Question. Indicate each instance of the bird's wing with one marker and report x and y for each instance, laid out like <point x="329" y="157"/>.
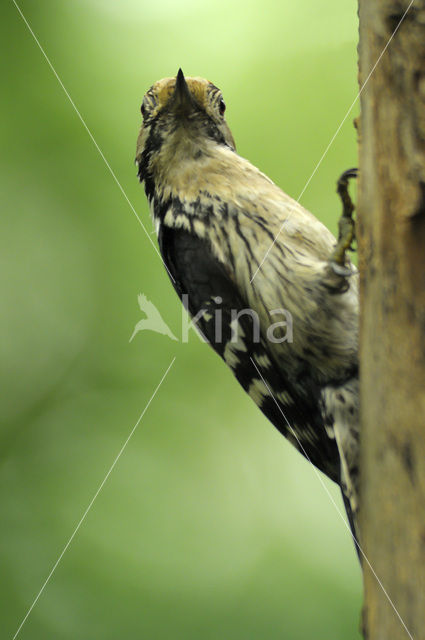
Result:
<point x="340" y="409"/>
<point x="293" y="407"/>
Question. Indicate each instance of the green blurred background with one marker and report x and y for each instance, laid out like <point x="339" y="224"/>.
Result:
<point x="210" y="525"/>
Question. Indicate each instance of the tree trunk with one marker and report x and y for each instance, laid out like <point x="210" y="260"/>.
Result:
<point x="391" y="212"/>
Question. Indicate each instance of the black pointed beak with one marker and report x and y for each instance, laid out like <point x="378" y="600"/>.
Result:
<point x="182" y="99"/>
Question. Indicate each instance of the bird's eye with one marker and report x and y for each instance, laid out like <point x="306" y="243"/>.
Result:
<point x="221" y="107"/>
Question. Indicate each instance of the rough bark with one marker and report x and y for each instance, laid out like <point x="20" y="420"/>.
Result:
<point x="391" y="211"/>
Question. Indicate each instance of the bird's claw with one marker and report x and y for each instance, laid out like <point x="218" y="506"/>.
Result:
<point x="345" y="272"/>
<point x="346" y="226"/>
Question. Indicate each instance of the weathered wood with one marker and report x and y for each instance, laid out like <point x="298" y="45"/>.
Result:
<point x="391" y="211"/>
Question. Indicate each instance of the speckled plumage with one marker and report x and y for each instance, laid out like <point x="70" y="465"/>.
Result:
<point x="217" y="215"/>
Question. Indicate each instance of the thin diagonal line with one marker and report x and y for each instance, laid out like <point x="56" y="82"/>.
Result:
<point x="331" y="141"/>
<point x="111" y="171"/>
<point x="93" y="499"/>
<point x="331" y="499"/>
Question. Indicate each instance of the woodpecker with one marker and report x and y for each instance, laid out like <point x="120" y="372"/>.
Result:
<point x="237" y="248"/>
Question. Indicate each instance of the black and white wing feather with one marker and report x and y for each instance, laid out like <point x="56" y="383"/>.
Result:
<point x="292" y="407"/>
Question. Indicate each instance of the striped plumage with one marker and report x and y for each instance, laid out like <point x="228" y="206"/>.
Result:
<point x="216" y="216"/>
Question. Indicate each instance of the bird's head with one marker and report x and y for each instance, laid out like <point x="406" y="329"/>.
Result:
<point x="183" y="120"/>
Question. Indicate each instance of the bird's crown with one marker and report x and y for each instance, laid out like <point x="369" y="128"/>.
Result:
<point x="182" y="95"/>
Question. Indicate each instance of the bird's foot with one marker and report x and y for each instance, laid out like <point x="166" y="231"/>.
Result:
<point x="346" y="226"/>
